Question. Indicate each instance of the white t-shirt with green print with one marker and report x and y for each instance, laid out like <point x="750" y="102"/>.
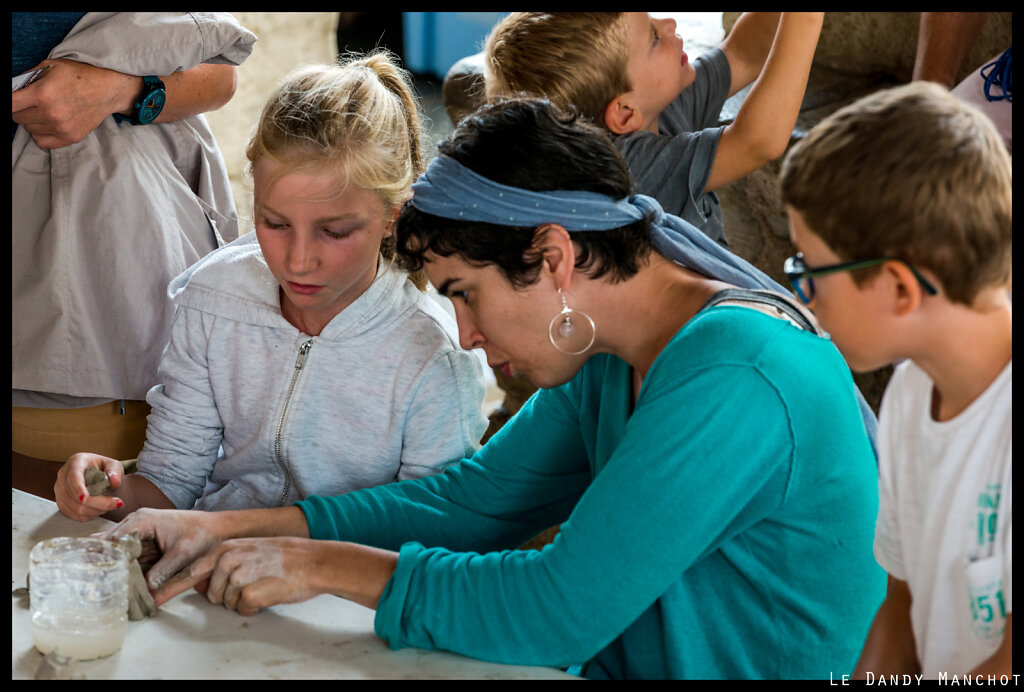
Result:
<point x="945" y="517"/>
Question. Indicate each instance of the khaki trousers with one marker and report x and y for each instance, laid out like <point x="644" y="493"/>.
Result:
<point x="56" y="434"/>
<point x="43" y="439"/>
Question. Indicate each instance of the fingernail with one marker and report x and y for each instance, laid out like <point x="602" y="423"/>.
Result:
<point x="120" y="504"/>
<point x="81" y="498"/>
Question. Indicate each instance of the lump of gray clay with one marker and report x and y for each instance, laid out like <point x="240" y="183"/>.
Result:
<point x="96" y="482"/>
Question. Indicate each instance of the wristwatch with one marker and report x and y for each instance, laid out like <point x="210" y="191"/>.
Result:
<point x="149" y="103"/>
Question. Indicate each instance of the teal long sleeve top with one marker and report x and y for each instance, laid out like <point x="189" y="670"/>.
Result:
<point x="720" y="528"/>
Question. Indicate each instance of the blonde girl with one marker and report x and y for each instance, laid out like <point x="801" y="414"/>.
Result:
<point x="301" y="360"/>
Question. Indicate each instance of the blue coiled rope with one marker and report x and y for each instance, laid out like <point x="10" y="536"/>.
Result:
<point x="999" y="75"/>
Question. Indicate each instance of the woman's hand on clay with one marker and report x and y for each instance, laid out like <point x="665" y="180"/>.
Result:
<point x="171" y="540"/>
<point x="250" y="574"/>
<point x="73" y="496"/>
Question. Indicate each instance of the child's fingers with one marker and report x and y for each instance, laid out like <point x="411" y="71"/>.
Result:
<point x="102" y="504"/>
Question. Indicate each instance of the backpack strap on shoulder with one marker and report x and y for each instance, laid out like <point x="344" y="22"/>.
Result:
<point x="768" y="302"/>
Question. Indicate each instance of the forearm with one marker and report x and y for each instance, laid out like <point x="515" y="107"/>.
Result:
<point x="259" y="523"/>
<point x="1001" y="662"/>
<point x="769" y="111"/>
<point x="201" y="89"/>
<point x="890" y="647"/>
<point x="943" y="42"/>
<point x="136" y="492"/>
<point x="748" y="45"/>
<point x="356" y="572"/>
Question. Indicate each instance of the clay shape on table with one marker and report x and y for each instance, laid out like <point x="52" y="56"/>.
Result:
<point x="140" y="601"/>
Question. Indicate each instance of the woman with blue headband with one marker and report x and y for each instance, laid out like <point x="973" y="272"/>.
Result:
<point x="699" y="444"/>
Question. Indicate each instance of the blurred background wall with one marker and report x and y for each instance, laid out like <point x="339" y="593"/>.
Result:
<point x="285" y="41"/>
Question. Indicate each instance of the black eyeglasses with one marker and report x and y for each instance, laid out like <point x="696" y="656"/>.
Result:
<point x="801" y="277"/>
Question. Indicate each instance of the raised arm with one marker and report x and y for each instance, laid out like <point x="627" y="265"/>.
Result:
<point x="73" y="98"/>
<point x="747" y="46"/>
<point x="762" y="129"/>
<point x="944" y="39"/>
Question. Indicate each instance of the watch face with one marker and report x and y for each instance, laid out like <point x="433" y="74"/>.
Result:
<point x="151" y="106"/>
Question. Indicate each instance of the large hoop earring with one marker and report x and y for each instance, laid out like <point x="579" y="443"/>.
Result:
<point x="565" y="330"/>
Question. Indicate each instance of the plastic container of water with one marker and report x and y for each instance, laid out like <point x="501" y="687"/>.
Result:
<point x="78" y="591"/>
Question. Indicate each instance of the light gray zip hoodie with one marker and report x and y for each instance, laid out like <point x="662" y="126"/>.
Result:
<point x="251" y="412"/>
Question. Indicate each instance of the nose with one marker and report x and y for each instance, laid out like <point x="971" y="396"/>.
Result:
<point x="667" y="24"/>
<point x="301" y="255"/>
<point x="470" y="336"/>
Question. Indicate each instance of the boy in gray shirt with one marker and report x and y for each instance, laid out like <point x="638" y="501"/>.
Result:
<point x="629" y="73"/>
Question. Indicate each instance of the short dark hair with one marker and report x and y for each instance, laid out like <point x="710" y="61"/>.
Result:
<point x="531" y="144"/>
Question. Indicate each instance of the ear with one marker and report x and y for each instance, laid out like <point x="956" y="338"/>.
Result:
<point x="390" y="219"/>
<point x="906" y="290"/>
<point x="558" y="254"/>
<point x="621" y="115"/>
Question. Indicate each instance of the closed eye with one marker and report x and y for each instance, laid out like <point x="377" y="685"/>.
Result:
<point x="336" y="235"/>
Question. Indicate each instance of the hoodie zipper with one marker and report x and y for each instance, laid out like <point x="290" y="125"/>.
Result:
<point x="278" y="451"/>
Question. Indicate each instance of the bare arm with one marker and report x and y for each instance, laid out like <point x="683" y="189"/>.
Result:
<point x="943" y="42"/>
<point x="890" y="644"/>
<point x="136" y="492"/>
<point x="763" y="127"/>
<point x="747" y="46"/>
<point x="202" y="89"/>
<point x="1001" y="662"/>
<point x="73" y="98"/>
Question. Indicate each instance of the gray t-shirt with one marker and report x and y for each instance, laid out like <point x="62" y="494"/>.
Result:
<point x="674" y="165"/>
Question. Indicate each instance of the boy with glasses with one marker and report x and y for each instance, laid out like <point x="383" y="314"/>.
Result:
<point x="901" y="207"/>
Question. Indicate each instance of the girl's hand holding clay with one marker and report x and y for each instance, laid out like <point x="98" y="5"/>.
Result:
<point x="82" y="499"/>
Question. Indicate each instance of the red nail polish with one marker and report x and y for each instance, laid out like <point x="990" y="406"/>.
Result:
<point x="81" y="498"/>
<point x="120" y="504"/>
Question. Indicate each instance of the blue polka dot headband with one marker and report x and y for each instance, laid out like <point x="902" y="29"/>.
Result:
<point x="450" y="190"/>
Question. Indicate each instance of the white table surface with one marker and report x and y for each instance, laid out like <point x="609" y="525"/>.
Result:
<point x="325" y="637"/>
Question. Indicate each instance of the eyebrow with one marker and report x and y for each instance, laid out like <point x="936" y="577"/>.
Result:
<point x="339" y="217"/>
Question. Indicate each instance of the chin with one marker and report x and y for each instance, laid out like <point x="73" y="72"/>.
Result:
<point x="551" y="380"/>
<point x="863" y="366"/>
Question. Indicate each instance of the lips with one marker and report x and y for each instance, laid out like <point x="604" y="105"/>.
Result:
<point x="303" y="289"/>
<point x="504" y="367"/>
<point x="683" y="60"/>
